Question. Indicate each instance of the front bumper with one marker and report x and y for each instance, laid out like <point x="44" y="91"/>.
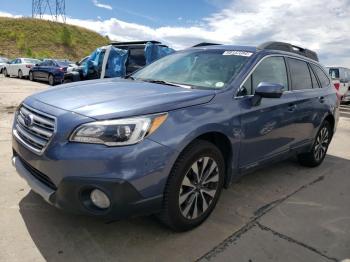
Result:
<point x="134" y="177"/>
<point x="73" y="193"/>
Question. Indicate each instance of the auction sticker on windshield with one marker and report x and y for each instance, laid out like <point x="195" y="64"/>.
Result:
<point x="239" y="53"/>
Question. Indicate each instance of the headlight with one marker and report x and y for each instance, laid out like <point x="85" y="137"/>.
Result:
<point x="118" y="132"/>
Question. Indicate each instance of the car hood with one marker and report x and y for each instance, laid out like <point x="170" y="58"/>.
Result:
<point x="114" y="98"/>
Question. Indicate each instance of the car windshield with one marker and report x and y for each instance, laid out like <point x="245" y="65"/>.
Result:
<point x="196" y="68"/>
<point x="31" y="61"/>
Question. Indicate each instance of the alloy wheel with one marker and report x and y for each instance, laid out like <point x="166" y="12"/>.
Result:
<point x="20" y="74"/>
<point x="199" y="187"/>
<point x="321" y="144"/>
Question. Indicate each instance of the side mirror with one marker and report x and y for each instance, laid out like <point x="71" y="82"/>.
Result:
<point x="267" y="90"/>
<point x="36" y="64"/>
<point x="77" y="63"/>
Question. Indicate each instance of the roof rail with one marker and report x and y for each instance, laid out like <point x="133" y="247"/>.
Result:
<point x="205" y="44"/>
<point x="135" y="43"/>
<point x="289" y="48"/>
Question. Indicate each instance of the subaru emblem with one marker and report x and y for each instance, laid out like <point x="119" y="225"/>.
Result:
<point x="29" y="120"/>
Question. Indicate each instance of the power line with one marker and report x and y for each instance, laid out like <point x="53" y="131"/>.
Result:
<point x="54" y="8"/>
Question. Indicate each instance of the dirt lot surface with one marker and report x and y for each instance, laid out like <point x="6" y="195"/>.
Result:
<point x="281" y="213"/>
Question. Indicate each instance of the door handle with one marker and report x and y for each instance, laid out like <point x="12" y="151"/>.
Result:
<point x="321" y="98"/>
<point x="292" y="107"/>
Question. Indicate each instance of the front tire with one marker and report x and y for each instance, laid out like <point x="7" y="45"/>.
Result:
<point x="193" y="187"/>
<point x="5" y="73"/>
<point x="319" y="149"/>
<point x="31" y="76"/>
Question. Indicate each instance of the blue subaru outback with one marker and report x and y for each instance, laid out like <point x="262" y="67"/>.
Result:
<point x="168" y="138"/>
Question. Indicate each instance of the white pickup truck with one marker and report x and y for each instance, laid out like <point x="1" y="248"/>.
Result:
<point x="341" y="80"/>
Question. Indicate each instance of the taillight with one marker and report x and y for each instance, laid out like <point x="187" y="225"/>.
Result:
<point x="62" y="69"/>
<point x="29" y="66"/>
<point x="337" y="85"/>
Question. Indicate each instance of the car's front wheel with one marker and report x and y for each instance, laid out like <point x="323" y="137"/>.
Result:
<point x="319" y="149"/>
<point x="31" y="76"/>
<point x="5" y="72"/>
<point x="193" y="187"/>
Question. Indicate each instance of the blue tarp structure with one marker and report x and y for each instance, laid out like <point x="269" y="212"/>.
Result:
<point x="153" y="52"/>
<point x="94" y="62"/>
<point x="117" y="58"/>
<point x="116" y="63"/>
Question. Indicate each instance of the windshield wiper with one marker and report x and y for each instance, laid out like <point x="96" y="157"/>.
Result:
<point x="162" y="82"/>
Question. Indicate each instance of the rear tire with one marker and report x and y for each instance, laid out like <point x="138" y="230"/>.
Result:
<point x="319" y="149"/>
<point x="194" y="186"/>
<point x="5" y="73"/>
<point x="20" y="74"/>
<point x="51" y="80"/>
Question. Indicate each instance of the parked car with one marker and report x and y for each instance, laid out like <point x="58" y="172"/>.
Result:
<point x="19" y="67"/>
<point x="3" y="62"/>
<point x="167" y="139"/>
<point x="77" y="66"/>
<point x="341" y="79"/>
<point x="117" y="60"/>
<point x="50" y="70"/>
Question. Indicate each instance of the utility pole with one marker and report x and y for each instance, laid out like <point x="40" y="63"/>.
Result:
<point x="54" y="8"/>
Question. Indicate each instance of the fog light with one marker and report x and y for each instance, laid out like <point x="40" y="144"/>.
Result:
<point x="99" y="199"/>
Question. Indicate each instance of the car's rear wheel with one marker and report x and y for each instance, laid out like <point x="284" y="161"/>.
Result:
<point x="5" y="72"/>
<point x="193" y="187"/>
<point x="51" y="80"/>
<point x="31" y="76"/>
<point x="20" y="74"/>
<point x="319" y="149"/>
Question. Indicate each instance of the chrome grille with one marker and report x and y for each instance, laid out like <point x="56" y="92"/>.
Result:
<point x="34" y="128"/>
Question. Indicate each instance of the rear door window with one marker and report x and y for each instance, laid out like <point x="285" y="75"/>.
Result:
<point x="324" y="80"/>
<point x="300" y="74"/>
<point x="315" y="83"/>
<point x="271" y="70"/>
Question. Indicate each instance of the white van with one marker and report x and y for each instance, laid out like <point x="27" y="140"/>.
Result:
<point x="341" y="80"/>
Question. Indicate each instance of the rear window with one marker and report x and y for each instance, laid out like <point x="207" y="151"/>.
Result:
<point x="62" y="64"/>
<point x="137" y="57"/>
<point x="324" y="80"/>
<point x="300" y="74"/>
<point x="334" y="73"/>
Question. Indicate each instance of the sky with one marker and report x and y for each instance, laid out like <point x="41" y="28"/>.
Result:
<point x="321" y="25"/>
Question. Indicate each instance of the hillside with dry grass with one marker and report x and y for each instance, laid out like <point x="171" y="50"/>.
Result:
<point x="27" y="37"/>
